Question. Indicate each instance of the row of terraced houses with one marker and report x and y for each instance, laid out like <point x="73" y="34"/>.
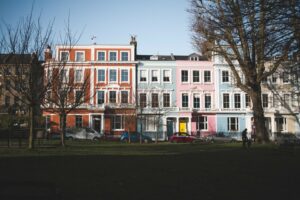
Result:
<point x="169" y="93"/>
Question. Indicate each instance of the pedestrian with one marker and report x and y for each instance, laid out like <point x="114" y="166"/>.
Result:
<point x="249" y="140"/>
<point x="244" y="137"/>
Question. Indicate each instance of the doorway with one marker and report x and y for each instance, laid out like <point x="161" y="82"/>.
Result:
<point x="97" y="123"/>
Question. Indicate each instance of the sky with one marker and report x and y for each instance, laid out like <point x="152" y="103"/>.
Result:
<point x="161" y="26"/>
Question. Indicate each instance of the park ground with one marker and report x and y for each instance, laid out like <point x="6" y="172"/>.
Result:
<point x="107" y="170"/>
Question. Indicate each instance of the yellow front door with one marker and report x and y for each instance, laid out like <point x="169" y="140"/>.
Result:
<point x="183" y="126"/>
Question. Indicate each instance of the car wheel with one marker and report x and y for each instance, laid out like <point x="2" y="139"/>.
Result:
<point x="146" y="141"/>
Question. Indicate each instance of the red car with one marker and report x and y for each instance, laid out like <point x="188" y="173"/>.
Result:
<point x="182" y="137"/>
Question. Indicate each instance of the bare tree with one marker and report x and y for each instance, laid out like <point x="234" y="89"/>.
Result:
<point x="23" y="46"/>
<point x="249" y="33"/>
<point x="66" y="93"/>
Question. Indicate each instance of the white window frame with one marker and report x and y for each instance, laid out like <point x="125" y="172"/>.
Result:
<point x="116" y="96"/>
<point x="188" y="100"/>
<point x="240" y="102"/>
<point x="163" y="100"/>
<point x="198" y="76"/>
<point x="188" y="78"/>
<point x="206" y="95"/>
<point x="284" y="124"/>
<point x="127" y="96"/>
<point x="82" y="74"/>
<point x="152" y="99"/>
<point x="104" y="75"/>
<point x="223" y="100"/>
<point x="229" y="123"/>
<point x="227" y="76"/>
<point x="288" y="103"/>
<point x="98" y="55"/>
<point x="198" y="94"/>
<point x="263" y="102"/>
<point x="146" y="102"/>
<point x="113" y="122"/>
<point x="146" y="72"/>
<point x="103" y="96"/>
<point x="116" y="81"/>
<point x="127" y="55"/>
<point x="66" y="77"/>
<point x="210" y="76"/>
<point x="158" y="75"/>
<point x="76" y="57"/>
<point x="60" y="54"/>
<point x="170" y="77"/>
<point x="81" y="118"/>
<point x="205" y="123"/>
<point x="127" y="75"/>
<point x="110" y="57"/>
<point x="148" y="120"/>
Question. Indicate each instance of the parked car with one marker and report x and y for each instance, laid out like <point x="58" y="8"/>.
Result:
<point x="135" y="137"/>
<point x="287" y="139"/>
<point x="83" y="133"/>
<point x="182" y="137"/>
<point x="220" y="137"/>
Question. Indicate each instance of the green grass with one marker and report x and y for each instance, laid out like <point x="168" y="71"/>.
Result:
<point x="89" y="170"/>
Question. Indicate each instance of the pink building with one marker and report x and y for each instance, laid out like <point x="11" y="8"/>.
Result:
<point x="195" y="94"/>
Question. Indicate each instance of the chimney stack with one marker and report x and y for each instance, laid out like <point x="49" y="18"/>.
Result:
<point x="48" y="53"/>
<point x="134" y="43"/>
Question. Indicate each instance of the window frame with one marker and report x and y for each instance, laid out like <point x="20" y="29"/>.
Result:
<point x="184" y="104"/>
<point x="196" y="76"/>
<point x="76" y="56"/>
<point x="265" y="104"/>
<point x="101" y="69"/>
<point x="228" y="76"/>
<point x="78" y="121"/>
<point x="164" y="103"/>
<point x="155" y="70"/>
<point x="109" y="96"/>
<point x="156" y="105"/>
<point x="113" y="122"/>
<point x="195" y="102"/>
<point x="187" y="76"/>
<point x="140" y="76"/>
<point x="143" y="104"/>
<point x="121" y="96"/>
<point x="99" y="51"/>
<point x="60" y="54"/>
<point x="102" y="91"/>
<point x="109" y="75"/>
<point x="223" y="101"/>
<point x="109" y="56"/>
<point x="205" y="101"/>
<point x="204" y="123"/>
<point x="170" y="77"/>
<point x="204" y="76"/>
<point x="127" y="75"/>
<point x="237" y="104"/>
<point x="231" y="123"/>
<point x="75" y="75"/>
<point x="122" y="55"/>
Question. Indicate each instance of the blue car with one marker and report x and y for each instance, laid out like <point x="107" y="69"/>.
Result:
<point x="135" y="137"/>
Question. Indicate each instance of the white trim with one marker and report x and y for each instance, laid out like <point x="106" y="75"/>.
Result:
<point x="170" y="70"/>
<point x="105" y="79"/>
<point x="158" y="76"/>
<point x="60" y="55"/>
<point x="116" y="56"/>
<point x="120" y="93"/>
<point x="82" y="75"/>
<point x="109" y="96"/>
<point x="83" y="56"/>
<point x="109" y="81"/>
<point x="222" y="76"/>
<point x="98" y="57"/>
<point x="234" y="99"/>
<point x="128" y="75"/>
<point x="188" y="76"/>
<point x="222" y="100"/>
<point x="139" y="75"/>
<point x="170" y="102"/>
<point x="188" y="95"/>
<point x="104" y="91"/>
<point x="128" y="58"/>
<point x="209" y="76"/>
<point x="192" y="76"/>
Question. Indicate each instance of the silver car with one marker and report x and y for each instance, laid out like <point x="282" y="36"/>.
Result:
<point x="83" y="134"/>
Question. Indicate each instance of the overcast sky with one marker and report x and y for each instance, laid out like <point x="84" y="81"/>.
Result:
<point x="161" y="26"/>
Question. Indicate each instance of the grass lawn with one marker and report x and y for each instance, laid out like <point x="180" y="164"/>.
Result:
<point x="85" y="170"/>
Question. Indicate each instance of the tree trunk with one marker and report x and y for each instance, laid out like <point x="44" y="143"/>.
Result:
<point x="31" y="127"/>
<point x="259" y="118"/>
<point x="63" y="118"/>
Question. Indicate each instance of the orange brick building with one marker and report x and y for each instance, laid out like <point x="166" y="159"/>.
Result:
<point x="109" y="104"/>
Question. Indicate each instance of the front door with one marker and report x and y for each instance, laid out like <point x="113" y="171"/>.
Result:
<point x="170" y="125"/>
<point x="182" y="126"/>
<point x="97" y="123"/>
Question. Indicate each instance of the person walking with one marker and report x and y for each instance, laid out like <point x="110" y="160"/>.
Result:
<point x="249" y="140"/>
<point x="244" y="137"/>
